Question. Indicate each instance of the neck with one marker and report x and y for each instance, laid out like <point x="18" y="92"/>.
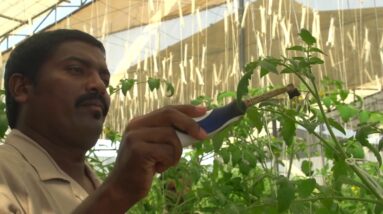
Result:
<point x="69" y="158"/>
<point x="58" y="148"/>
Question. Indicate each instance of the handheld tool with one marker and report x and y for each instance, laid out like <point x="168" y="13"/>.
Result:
<point x="217" y="119"/>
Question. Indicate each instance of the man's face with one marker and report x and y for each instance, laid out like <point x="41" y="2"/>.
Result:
<point x="69" y="98"/>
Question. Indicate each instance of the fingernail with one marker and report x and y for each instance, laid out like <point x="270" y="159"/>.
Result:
<point x="201" y="108"/>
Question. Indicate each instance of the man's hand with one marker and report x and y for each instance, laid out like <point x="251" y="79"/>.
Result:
<point x="149" y="146"/>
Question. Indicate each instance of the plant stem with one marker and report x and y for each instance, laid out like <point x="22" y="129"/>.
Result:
<point x="329" y="128"/>
<point x="325" y="143"/>
<point x="290" y="161"/>
<point x="341" y="152"/>
<point x="340" y="199"/>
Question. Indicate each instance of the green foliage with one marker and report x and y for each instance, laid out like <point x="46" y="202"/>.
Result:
<point x="288" y="128"/>
<point x="306" y="167"/>
<point x="307" y="37"/>
<point x="286" y="194"/>
<point x="169" y="89"/>
<point x="380" y="146"/>
<point x="252" y="162"/>
<point x="125" y="85"/>
<point x="255" y="118"/>
<point x="305" y="187"/>
<point x="153" y="83"/>
<point x="3" y="116"/>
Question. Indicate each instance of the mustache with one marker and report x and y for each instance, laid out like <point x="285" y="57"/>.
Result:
<point x="91" y="97"/>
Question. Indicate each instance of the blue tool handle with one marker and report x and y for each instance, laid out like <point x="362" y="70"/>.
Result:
<point x="215" y="120"/>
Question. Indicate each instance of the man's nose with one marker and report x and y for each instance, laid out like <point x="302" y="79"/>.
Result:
<point x="95" y="83"/>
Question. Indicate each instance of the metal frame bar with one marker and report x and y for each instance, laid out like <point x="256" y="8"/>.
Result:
<point x="6" y="36"/>
<point x="12" y="19"/>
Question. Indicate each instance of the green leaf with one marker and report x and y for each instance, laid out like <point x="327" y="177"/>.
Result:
<point x="222" y="95"/>
<point x="313" y="49"/>
<point x="336" y="125"/>
<point x="236" y="155"/>
<point x="243" y="85"/>
<point x="310" y="125"/>
<point x="306" y="187"/>
<point x="267" y="65"/>
<point x="264" y="72"/>
<point x="343" y="94"/>
<point x="288" y="129"/>
<point x="249" y="156"/>
<point x="306" y="167"/>
<point x="244" y="168"/>
<point x="154" y="83"/>
<point x="356" y="150"/>
<point x="327" y="101"/>
<point x="315" y="60"/>
<point x="287" y="70"/>
<point x="255" y="118"/>
<point x="380" y="146"/>
<point x="259" y="187"/>
<point x="362" y="137"/>
<point x="218" y="140"/>
<point x="378" y="209"/>
<point x="346" y="112"/>
<point x="375" y="151"/>
<point x="126" y="85"/>
<point x="3" y="124"/>
<point x="286" y="194"/>
<point x="169" y="89"/>
<point x="251" y="66"/>
<point x="225" y="155"/>
<point x="307" y="37"/>
<point x="376" y="117"/>
<point x="111" y="89"/>
<point x="112" y="135"/>
<point x="339" y="169"/>
<point x="364" y="116"/>
<point x="296" y="48"/>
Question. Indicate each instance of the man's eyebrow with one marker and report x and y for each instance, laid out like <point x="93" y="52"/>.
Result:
<point x="84" y="62"/>
<point x="79" y="59"/>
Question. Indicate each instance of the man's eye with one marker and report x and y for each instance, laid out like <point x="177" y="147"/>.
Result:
<point x="75" y="69"/>
<point x="105" y="78"/>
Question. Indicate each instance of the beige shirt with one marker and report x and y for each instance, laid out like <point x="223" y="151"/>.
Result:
<point x="31" y="181"/>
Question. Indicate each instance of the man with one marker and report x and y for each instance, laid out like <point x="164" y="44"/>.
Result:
<point x="56" y="103"/>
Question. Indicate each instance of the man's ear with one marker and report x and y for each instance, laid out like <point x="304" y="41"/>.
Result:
<point x="20" y="87"/>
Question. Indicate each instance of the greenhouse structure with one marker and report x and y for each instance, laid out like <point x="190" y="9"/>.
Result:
<point x="316" y="149"/>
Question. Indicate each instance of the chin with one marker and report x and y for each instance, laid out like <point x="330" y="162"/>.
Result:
<point x="90" y="130"/>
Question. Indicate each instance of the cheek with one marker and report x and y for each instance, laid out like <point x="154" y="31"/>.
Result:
<point x="58" y="84"/>
<point x="58" y="93"/>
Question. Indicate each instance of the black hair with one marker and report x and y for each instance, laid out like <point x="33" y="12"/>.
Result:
<point x="28" y="57"/>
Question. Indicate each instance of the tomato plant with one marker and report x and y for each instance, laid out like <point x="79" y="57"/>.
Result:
<point x="249" y="167"/>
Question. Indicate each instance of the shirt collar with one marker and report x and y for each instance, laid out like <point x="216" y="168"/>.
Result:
<point x="41" y="161"/>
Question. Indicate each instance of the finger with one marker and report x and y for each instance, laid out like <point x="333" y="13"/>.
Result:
<point x="155" y="158"/>
<point x="157" y="117"/>
<point x="158" y="136"/>
<point x="190" y="110"/>
<point x="175" y="116"/>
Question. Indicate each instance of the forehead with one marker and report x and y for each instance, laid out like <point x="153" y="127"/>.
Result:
<point x="77" y="48"/>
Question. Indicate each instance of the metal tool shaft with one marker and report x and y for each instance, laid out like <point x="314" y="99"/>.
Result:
<point x="290" y="89"/>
